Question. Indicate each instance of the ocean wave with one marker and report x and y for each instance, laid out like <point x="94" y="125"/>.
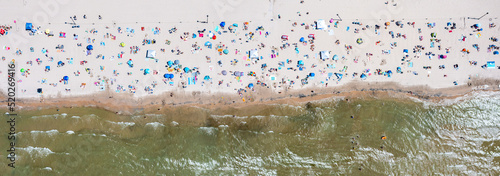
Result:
<point x="155" y="124"/>
<point x="208" y="130"/>
<point x="50" y="132"/>
<point x="38" y="152"/>
<point x="122" y="124"/>
<point x="70" y="132"/>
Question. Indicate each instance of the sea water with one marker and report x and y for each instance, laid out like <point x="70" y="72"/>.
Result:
<point x="454" y="137"/>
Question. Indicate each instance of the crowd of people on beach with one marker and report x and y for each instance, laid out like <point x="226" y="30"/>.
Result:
<point x="220" y="62"/>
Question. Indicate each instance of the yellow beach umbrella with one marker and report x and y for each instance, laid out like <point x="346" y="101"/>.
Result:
<point x="122" y="44"/>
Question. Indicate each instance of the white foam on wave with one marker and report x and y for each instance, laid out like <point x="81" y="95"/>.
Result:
<point x="75" y="117"/>
<point x="208" y="130"/>
<point x="122" y="124"/>
<point x="37" y="151"/>
<point x="174" y="123"/>
<point x="50" y="132"/>
<point x="155" y="124"/>
<point x="70" y="132"/>
<point x="47" y="168"/>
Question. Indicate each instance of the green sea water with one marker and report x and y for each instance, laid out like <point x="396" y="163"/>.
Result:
<point x="461" y="137"/>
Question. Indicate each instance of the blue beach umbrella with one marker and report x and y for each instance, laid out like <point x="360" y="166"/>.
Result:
<point x="90" y="47"/>
<point x="222" y="24"/>
<point x="335" y="57"/>
<point x="186" y="69"/>
<point x="130" y="63"/>
<point x="235" y="25"/>
<point x="339" y="76"/>
<point x="206" y="78"/>
<point x="170" y="63"/>
<point x="250" y="85"/>
<point x="225" y="51"/>
<point x="312" y="74"/>
<point x="302" y="39"/>
<point x="146" y="71"/>
<point x="59" y="63"/>
<point x="363" y="76"/>
<point x="495" y="52"/>
<point x="65" y="78"/>
<point x="166" y="75"/>
<point x="208" y="43"/>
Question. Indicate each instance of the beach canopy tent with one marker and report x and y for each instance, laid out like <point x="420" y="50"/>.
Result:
<point x="321" y="25"/>
<point x="65" y="78"/>
<point x="130" y="63"/>
<point x="324" y="55"/>
<point x="29" y="26"/>
<point x="254" y="54"/>
<point x="300" y="62"/>
<point x="250" y="85"/>
<point x="39" y="90"/>
<point x="90" y="47"/>
<point x="224" y="72"/>
<point x="490" y="64"/>
<point x="150" y="54"/>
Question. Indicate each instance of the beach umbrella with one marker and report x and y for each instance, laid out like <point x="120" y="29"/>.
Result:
<point x="146" y="71"/>
<point x="39" y="90"/>
<point x="2" y="31"/>
<point x="90" y="47"/>
<point x="363" y="76"/>
<point x="250" y="85"/>
<point x="216" y="29"/>
<point x="312" y="74"/>
<point x="59" y="63"/>
<point x="335" y="57"/>
<point x="170" y="63"/>
<point x="166" y="75"/>
<point x="405" y="51"/>
<point x="224" y="72"/>
<point x="302" y="39"/>
<point x="22" y="70"/>
<point x="122" y="44"/>
<point x="339" y="76"/>
<point x="206" y="78"/>
<point x="186" y="69"/>
<point x="65" y="78"/>
<point x="177" y="62"/>
<point x="235" y="25"/>
<point x="495" y="52"/>
<point x="236" y="73"/>
<point x="359" y="41"/>
<point x="226" y="51"/>
<point x="194" y="35"/>
<point x="171" y="76"/>
<point x="222" y="24"/>
<point x="47" y="31"/>
<point x="208" y="43"/>
<point x="47" y="67"/>
<point x="214" y="37"/>
<point x="284" y="37"/>
<point x="330" y="74"/>
<point x="300" y="62"/>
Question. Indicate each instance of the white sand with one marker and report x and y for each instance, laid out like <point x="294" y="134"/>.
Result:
<point x="165" y="15"/>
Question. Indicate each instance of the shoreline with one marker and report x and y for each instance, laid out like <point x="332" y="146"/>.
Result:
<point x="129" y="105"/>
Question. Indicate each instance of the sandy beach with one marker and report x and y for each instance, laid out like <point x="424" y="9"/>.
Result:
<point x="118" y="54"/>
